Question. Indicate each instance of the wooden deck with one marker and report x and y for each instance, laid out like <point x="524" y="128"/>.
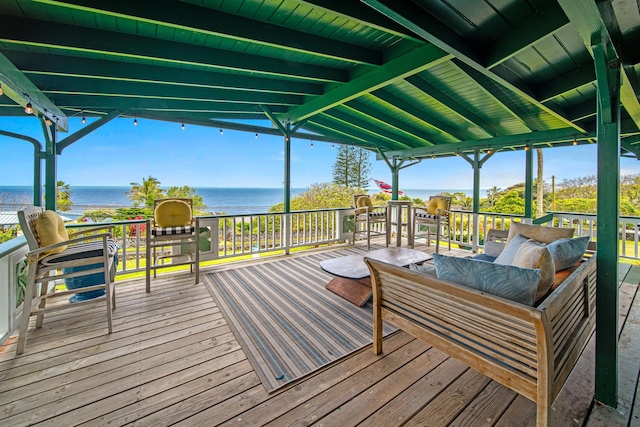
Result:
<point x="173" y="360"/>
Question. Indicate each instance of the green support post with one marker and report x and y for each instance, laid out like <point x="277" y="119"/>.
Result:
<point x="50" y="161"/>
<point x="395" y="183"/>
<point x="528" y="183"/>
<point x="287" y="173"/>
<point x="37" y="178"/>
<point x="608" y="131"/>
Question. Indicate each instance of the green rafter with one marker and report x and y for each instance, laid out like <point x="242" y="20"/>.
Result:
<point x="71" y="38"/>
<point x="185" y="17"/>
<point x="432" y="30"/>
<point x="411" y="63"/>
<point x="21" y="90"/>
<point x="589" y="19"/>
<point x="345" y="129"/>
<point x="89" y="68"/>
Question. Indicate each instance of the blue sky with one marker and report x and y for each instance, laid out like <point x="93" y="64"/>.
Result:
<point x="119" y="153"/>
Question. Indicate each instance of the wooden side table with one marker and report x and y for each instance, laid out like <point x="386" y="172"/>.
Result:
<point x="401" y="206"/>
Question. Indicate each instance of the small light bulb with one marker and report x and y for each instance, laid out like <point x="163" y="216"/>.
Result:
<point x="1" y="89"/>
<point x="47" y="120"/>
<point x="575" y="141"/>
<point x="84" y="119"/>
<point x="220" y="131"/>
<point x="29" y="108"/>
<point x="333" y="146"/>
<point x="183" y="126"/>
<point x="135" y="122"/>
<point x="312" y="145"/>
<point x="256" y="136"/>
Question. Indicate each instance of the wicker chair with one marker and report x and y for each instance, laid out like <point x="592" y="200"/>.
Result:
<point x="173" y="225"/>
<point x="72" y="255"/>
<point x="436" y="214"/>
<point x="366" y="215"/>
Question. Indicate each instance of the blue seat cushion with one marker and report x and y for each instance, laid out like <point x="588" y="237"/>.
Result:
<point x="484" y="257"/>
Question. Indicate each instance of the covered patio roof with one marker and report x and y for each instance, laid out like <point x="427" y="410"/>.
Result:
<point x="413" y="79"/>
<point x="408" y="79"/>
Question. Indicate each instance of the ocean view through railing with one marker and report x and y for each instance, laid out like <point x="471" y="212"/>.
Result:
<point x="232" y="237"/>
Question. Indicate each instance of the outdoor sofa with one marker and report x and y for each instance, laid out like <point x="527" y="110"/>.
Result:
<point x="530" y="349"/>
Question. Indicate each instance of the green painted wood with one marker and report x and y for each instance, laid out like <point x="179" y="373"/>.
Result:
<point x="51" y="167"/>
<point x="37" y="179"/>
<point x="287" y="174"/>
<point x="429" y="28"/>
<point x="60" y="37"/>
<point x="347" y="130"/>
<point x="18" y="87"/>
<point x="86" y="130"/>
<point x="566" y="83"/>
<point x="528" y="184"/>
<point x="608" y="76"/>
<point x="566" y="135"/>
<point x="525" y="34"/>
<point x="411" y="63"/>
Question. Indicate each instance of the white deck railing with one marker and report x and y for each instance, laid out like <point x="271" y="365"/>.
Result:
<point x="229" y="236"/>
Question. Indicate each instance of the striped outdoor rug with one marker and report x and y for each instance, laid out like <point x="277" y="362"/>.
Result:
<point x="286" y="321"/>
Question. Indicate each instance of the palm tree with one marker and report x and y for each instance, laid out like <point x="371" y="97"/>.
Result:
<point x="492" y="193"/>
<point x="63" y="196"/>
<point x="145" y="193"/>
<point x="540" y="186"/>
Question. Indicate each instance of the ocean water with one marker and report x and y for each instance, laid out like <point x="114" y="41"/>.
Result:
<point x="229" y="200"/>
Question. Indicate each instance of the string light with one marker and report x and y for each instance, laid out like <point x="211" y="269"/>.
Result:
<point x="28" y="108"/>
<point x="526" y="148"/>
<point x="220" y="131"/>
<point x="135" y="121"/>
<point x="458" y="154"/>
<point x="1" y="89"/>
<point x="312" y="145"/>
<point x="47" y="120"/>
<point x="256" y="136"/>
<point x="84" y="119"/>
<point x="333" y="146"/>
<point x="183" y="126"/>
<point x="575" y="141"/>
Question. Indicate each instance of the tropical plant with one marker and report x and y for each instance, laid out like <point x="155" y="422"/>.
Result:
<point x="187" y="192"/>
<point x="492" y="194"/>
<point x="145" y="193"/>
<point x="317" y="196"/>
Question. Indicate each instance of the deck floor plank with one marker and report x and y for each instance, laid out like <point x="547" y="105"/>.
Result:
<point x="173" y="360"/>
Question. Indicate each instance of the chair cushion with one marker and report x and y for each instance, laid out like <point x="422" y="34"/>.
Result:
<point x="567" y="252"/>
<point x="509" y="252"/>
<point x="532" y="254"/>
<point x="437" y="203"/>
<point x="484" y="257"/>
<point x="166" y="231"/>
<point x="538" y="232"/>
<point x="364" y="202"/>
<point x="172" y="213"/>
<point x="425" y="215"/>
<point x="506" y="281"/>
<point x="83" y="250"/>
<point x="493" y="249"/>
<point x="50" y="230"/>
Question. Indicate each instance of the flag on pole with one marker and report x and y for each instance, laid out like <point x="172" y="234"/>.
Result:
<point x="386" y="188"/>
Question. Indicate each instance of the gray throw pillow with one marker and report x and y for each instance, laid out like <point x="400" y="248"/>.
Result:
<point x="425" y="269"/>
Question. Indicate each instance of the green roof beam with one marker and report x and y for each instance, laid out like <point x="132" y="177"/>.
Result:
<point x="186" y="17"/>
<point x="417" y="60"/>
<point x="69" y="38"/>
<point x="17" y="87"/>
<point x="344" y="129"/>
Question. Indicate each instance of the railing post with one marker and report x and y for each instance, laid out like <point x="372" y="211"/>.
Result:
<point x="286" y="218"/>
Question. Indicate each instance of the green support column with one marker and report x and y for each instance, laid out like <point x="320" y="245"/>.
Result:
<point x="476" y="163"/>
<point x="608" y="131"/>
<point x="50" y="162"/>
<point x="287" y="173"/>
<point x="395" y="183"/>
<point x="37" y="178"/>
<point x="528" y="183"/>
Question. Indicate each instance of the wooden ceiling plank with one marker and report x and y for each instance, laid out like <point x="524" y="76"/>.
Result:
<point x="591" y="19"/>
<point x="411" y="63"/>
<point x="421" y="23"/>
<point x="62" y="38"/>
<point x="201" y="20"/>
<point x="17" y="87"/>
<point x="59" y="65"/>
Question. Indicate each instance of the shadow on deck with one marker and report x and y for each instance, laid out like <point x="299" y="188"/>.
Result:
<point x="172" y="359"/>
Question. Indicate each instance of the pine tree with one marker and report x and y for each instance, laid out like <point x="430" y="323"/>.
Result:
<point x="352" y="167"/>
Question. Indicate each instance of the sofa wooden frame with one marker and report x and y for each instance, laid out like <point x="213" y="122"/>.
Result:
<point x="530" y="350"/>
